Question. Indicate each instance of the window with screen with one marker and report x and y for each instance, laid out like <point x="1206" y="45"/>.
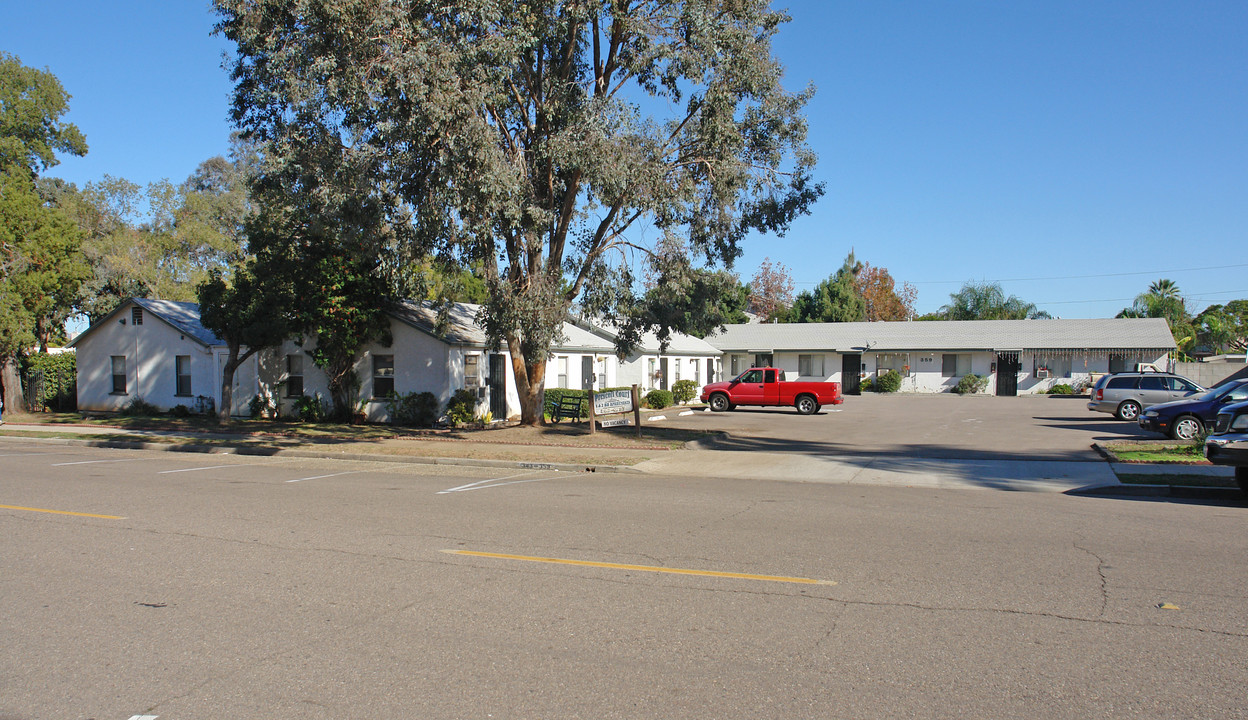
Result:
<point x="383" y="376"/>
<point x="182" y="368"/>
<point x="294" y="376"/>
<point x="119" y="374"/>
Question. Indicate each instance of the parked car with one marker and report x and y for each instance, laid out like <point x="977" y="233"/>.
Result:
<point x="1124" y="395"/>
<point x="763" y="386"/>
<point x="1228" y="444"/>
<point x="1186" y="419"/>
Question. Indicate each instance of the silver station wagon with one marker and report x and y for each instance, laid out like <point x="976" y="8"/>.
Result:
<point x="1125" y="395"/>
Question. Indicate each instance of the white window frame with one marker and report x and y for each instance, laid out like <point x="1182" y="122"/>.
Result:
<point x="812" y="363"/>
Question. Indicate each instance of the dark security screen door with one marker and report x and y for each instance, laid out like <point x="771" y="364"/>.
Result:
<point x="498" y="387"/>
<point x="1008" y="366"/>
<point x="851" y="368"/>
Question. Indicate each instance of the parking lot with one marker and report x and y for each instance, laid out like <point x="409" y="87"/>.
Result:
<point x="1027" y="428"/>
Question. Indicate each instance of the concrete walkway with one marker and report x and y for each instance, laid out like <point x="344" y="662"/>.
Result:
<point x="1033" y="476"/>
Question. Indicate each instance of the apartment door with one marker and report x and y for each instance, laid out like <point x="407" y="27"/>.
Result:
<point x="498" y="387"/>
<point x="851" y="371"/>
<point x="1008" y="365"/>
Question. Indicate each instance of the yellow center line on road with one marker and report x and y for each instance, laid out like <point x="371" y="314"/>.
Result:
<point x="643" y="568"/>
<point x="61" y="512"/>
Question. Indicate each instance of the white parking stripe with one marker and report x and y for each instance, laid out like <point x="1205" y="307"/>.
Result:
<point x="318" y="477"/>
<point x="496" y="483"/>
<point x="92" y="462"/>
<point x="470" y="486"/>
<point x="208" y="467"/>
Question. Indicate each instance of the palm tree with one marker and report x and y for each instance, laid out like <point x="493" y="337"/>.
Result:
<point x="1164" y="288"/>
<point x="1162" y="300"/>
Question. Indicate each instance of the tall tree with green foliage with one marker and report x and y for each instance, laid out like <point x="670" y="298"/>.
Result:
<point x="40" y="256"/>
<point x="32" y="132"/>
<point x="339" y="252"/>
<point x="531" y="139"/>
<point x="1223" y="328"/>
<point x="160" y="241"/>
<point x="48" y="262"/>
<point x="988" y="301"/>
<point x="834" y="300"/>
<point x="251" y="310"/>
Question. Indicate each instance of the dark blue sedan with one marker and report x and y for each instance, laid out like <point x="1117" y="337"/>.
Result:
<point x="1186" y="419"/>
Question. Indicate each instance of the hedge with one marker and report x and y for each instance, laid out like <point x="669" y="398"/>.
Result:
<point x="55" y="381"/>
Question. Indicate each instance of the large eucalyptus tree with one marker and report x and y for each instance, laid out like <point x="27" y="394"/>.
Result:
<point x="557" y="144"/>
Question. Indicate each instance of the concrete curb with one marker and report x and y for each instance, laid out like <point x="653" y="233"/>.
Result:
<point x="1166" y="491"/>
<point x="313" y="454"/>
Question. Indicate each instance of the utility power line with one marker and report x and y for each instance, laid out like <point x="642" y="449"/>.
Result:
<point x="1071" y="277"/>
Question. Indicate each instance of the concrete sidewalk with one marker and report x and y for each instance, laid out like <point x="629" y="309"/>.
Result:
<point x="1033" y="476"/>
<point x="878" y="469"/>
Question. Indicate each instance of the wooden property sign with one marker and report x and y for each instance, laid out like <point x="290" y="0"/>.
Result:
<point x="615" y="402"/>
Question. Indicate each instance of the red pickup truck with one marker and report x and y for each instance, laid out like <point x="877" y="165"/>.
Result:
<point x="762" y="386"/>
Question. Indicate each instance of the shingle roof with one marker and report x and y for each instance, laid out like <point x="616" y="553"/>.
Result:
<point x="1101" y="334"/>
<point x="182" y="315"/>
<point x="463" y="329"/>
<point x="678" y="343"/>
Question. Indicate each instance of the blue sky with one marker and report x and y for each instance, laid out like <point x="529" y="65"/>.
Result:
<point x="1072" y="151"/>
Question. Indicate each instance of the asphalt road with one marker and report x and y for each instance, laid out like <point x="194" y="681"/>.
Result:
<point x="220" y="586"/>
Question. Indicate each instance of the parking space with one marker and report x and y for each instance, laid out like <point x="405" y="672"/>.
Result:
<point x="923" y="426"/>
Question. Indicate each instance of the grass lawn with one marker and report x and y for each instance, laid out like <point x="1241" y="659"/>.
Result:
<point x="1193" y="454"/>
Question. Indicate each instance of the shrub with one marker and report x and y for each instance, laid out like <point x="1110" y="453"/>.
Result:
<point x="415" y="409"/>
<point x="1061" y="389"/>
<point x="311" y="408"/>
<point x="261" y="406"/>
<point x="138" y="407"/>
<point x="684" y="390"/>
<point x="889" y="382"/>
<point x="554" y="395"/>
<point x="462" y="407"/>
<point x="658" y="399"/>
<point x="971" y="384"/>
<point x="866" y="385"/>
<point x="180" y="411"/>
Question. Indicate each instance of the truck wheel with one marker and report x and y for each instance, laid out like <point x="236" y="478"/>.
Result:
<point x="719" y="402"/>
<point x="806" y="405"/>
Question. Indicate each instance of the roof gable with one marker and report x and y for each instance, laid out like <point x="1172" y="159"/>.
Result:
<point x="181" y="316"/>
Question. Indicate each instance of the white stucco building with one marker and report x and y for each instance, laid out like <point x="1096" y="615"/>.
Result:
<point x="1018" y="356"/>
<point x="159" y="351"/>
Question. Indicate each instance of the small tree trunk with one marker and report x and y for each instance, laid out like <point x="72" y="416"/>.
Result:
<point x="41" y="333"/>
<point x="227" y="383"/>
<point x="11" y="382"/>
<point x="341" y="373"/>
